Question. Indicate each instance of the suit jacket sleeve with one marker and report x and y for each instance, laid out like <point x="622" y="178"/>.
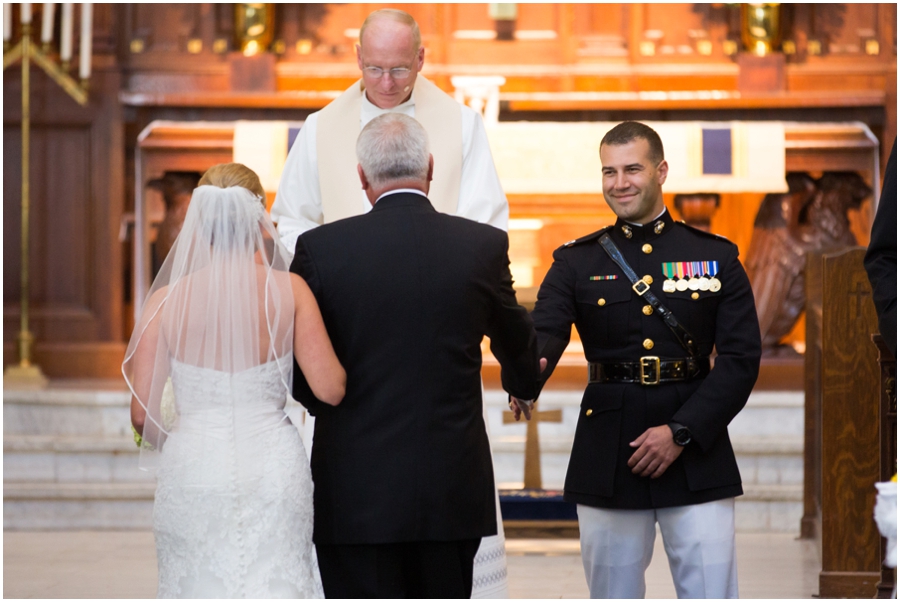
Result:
<point x="554" y="313"/>
<point x="881" y="257"/>
<point x="724" y="392"/>
<point x="513" y="340"/>
<point x="303" y="266"/>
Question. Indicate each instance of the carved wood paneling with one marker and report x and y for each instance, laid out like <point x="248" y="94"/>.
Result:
<point x="76" y="198"/>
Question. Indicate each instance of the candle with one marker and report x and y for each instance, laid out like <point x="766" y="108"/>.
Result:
<point x="65" y="42"/>
<point x="26" y="13"/>
<point x="7" y="22"/>
<point x="87" y="32"/>
<point x="47" y="22"/>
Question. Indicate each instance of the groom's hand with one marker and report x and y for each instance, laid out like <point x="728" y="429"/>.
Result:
<point x="520" y="407"/>
<point x="524" y="406"/>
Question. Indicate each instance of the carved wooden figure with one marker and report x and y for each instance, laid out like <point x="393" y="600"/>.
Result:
<point x="176" y="189"/>
<point x="811" y="216"/>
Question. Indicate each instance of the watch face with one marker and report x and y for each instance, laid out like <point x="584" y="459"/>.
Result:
<point x="682" y="436"/>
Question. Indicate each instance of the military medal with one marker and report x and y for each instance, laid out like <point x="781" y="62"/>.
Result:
<point x="692" y="269"/>
<point x="704" y="284"/>
<point x="668" y="270"/>
<point x="712" y="268"/>
<point x="681" y="271"/>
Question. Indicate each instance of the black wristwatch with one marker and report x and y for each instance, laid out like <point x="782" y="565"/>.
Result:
<point x="680" y="434"/>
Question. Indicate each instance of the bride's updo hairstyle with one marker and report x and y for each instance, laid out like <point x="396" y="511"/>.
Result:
<point x="226" y="175"/>
<point x="223" y="196"/>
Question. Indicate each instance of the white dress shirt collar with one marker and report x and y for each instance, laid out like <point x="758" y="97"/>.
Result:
<point x="399" y="190"/>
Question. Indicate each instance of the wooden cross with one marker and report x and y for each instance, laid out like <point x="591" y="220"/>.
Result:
<point x="533" y="444"/>
<point x="860" y="293"/>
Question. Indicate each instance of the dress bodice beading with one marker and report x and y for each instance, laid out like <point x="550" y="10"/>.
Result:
<point x="230" y="404"/>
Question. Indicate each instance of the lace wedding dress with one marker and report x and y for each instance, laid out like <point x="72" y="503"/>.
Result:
<point x="233" y="516"/>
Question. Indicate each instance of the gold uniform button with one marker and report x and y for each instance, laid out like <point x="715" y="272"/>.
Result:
<point x="695" y="296"/>
<point x="601" y="302"/>
<point x="647" y="310"/>
<point x="589" y="412"/>
<point x="647" y="249"/>
<point x="648" y="344"/>
<point x="648" y="279"/>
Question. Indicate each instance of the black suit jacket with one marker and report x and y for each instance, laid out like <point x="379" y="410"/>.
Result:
<point x="585" y="287"/>
<point x="881" y="257"/>
<point x="407" y="295"/>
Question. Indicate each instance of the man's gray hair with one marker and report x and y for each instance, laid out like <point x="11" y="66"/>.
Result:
<point x="393" y="147"/>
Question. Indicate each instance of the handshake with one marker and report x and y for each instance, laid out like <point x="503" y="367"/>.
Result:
<point x="524" y="407"/>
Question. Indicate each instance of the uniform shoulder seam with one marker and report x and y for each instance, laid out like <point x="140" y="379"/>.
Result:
<point x="704" y="233"/>
<point x="588" y="238"/>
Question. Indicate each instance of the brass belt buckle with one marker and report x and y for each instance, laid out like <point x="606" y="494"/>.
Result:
<point x="640" y="287"/>
<point x="652" y="362"/>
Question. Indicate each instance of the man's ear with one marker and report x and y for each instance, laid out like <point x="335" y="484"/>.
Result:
<point x="430" y="167"/>
<point x="359" y="60"/>
<point x="662" y="172"/>
<point x="362" y="177"/>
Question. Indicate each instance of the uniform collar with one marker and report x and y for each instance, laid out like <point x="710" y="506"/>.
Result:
<point x="650" y="231"/>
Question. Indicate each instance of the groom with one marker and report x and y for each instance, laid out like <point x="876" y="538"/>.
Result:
<point x="404" y="486"/>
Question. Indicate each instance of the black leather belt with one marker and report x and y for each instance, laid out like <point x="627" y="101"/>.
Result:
<point x="649" y="370"/>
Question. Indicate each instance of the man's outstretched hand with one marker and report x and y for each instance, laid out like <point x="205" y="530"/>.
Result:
<point x="524" y="407"/>
<point x="656" y="450"/>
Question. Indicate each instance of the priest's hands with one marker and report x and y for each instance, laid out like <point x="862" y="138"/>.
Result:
<point x="656" y="450"/>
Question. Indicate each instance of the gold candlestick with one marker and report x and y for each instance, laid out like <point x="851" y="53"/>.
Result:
<point x="26" y="374"/>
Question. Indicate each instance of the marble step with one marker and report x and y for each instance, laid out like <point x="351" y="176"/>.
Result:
<point x="75" y="506"/>
<point x="68" y="412"/>
<point x="71" y="459"/>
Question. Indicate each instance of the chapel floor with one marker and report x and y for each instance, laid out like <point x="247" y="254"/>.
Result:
<point x="122" y="564"/>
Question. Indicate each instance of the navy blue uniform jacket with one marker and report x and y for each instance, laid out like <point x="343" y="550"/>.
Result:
<point x="615" y="330"/>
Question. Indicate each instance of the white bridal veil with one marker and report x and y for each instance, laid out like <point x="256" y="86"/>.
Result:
<point x="222" y="302"/>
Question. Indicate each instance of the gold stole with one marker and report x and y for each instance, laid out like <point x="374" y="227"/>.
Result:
<point x="338" y="129"/>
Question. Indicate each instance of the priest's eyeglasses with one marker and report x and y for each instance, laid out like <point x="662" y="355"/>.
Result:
<point x="397" y="73"/>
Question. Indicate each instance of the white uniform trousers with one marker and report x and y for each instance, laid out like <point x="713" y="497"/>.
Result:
<point x="617" y="545"/>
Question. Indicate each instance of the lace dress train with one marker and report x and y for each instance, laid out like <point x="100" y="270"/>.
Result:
<point x="233" y="511"/>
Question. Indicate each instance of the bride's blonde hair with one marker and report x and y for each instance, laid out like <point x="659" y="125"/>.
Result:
<point x="226" y="175"/>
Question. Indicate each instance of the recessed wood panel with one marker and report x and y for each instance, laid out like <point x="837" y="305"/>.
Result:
<point x="600" y="19"/>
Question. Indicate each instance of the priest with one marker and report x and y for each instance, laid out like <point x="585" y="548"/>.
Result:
<point x="319" y="183"/>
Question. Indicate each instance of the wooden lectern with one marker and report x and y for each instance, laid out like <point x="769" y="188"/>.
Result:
<point x="841" y="443"/>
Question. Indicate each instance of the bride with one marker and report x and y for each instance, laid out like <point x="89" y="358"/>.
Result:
<point x="233" y="510"/>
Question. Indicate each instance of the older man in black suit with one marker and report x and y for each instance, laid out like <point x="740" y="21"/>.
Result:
<point x="404" y="486"/>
